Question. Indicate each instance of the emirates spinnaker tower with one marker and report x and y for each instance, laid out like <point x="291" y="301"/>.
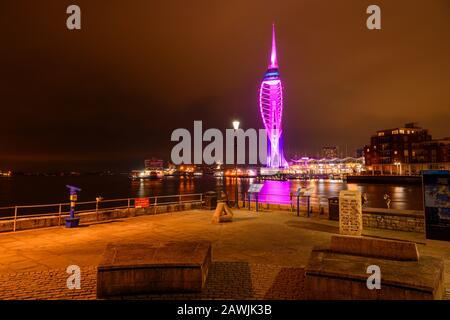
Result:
<point x="271" y="108"/>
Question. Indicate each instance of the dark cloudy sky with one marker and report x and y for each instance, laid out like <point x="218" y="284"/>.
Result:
<point x="108" y="96"/>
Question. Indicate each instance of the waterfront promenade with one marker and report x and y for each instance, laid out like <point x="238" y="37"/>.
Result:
<point x="257" y="256"/>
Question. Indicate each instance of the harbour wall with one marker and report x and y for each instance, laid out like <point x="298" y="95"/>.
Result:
<point x="90" y="217"/>
<point x="385" y="179"/>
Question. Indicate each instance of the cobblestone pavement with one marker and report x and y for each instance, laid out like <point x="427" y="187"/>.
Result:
<point x="226" y="280"/>
<point x="258" y="255"/>
<point x="47" y="285"/>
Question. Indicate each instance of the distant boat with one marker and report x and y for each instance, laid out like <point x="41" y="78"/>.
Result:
<point x="147" y="174"/>
<point x="218" y="174"/>
<point x="5" y="174"/>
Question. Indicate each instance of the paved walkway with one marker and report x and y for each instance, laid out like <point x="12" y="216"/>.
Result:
<point x="258" y="255"/>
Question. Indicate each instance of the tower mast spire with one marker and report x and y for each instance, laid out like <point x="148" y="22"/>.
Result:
<point x="273" y="54"/>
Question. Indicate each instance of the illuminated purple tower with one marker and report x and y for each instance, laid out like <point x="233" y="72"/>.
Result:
<point x="271" y="107"/>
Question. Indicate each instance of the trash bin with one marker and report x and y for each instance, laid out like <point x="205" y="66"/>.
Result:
<point x="210" y="200"/>
<point x="333" y="208"/>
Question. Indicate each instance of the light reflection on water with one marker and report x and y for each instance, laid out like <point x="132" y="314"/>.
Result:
<point x="21" y="190"/>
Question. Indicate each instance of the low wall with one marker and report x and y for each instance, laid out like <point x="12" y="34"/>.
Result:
<point x="87" y="217"/>
<point x="391" y="219"/>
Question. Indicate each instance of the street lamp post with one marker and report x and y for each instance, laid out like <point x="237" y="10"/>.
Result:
<point x="236" y="197"/>
<point x="398" y="164"/>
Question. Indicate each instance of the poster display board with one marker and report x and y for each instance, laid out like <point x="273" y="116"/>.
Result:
<point x="141" y="203"/>
<point x="350" y="213"/>
<point x="436" y="200"/>
<point x="255" y="187"/>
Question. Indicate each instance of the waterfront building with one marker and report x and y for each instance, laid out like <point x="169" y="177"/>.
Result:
<point x="406" y="151"/>
<point x="433" y="151"/>
<point x="154" y="164"/>
<point x="271" y="108"/>
<point x="329" y="167"/>
<point x="153" y="169"/>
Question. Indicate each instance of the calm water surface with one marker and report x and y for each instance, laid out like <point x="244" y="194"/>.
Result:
<point x="26" y="190"/>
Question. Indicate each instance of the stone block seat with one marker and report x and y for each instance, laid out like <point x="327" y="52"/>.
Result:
<point x="223" y="213"/>
<point x="129" y="269"/>
<point x="340" y="272"/>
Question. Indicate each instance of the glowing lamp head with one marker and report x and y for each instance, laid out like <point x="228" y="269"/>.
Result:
<point x="235" y="125"/>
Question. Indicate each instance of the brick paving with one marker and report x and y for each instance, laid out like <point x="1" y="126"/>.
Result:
<point x="226" y="280"/>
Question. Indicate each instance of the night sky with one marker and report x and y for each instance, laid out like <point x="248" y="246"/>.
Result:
<point x="109" y="96"/>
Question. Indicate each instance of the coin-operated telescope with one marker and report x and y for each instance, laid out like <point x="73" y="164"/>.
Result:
<point x="72" y="221"/>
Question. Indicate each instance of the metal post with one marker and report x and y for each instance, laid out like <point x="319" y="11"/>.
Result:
<point x="298" y="205"/>
<point x="236" y="196"/>
<point x="256" y="198"/>
<point x="249" y="202"/>
<point x="156" y="202"/>
<point x="59" y="215"/>
<point x="290" y="201"/>
<point x="96" y="209"/>
<point x="308" y="206"/>
<point x="15" y="218"/>
<point x="129" y="206"/>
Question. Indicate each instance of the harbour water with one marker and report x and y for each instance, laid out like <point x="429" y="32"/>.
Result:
<point x="31" y="190"/>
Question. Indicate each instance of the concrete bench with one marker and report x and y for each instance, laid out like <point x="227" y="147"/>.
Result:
<point x="129" y="269"/>
<point x="340" y="272"/>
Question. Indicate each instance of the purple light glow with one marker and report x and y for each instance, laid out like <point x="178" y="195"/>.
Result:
<point x="271" y="108"/>
<point x="273" y="54"/>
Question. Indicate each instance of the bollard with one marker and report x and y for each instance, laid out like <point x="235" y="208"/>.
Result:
<point x="15" y="218"/>
<point x="298" y="205"/>
<point x="309" y="207"/>
<point x="59" y="214"/>
<point x="97" y="202"/>
<point x="72" y="221"/>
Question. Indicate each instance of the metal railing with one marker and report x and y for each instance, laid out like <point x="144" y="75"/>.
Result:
<point x="303" y="202"/>
<point x="61" y="210"/>
<point x="293" y="201"/>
